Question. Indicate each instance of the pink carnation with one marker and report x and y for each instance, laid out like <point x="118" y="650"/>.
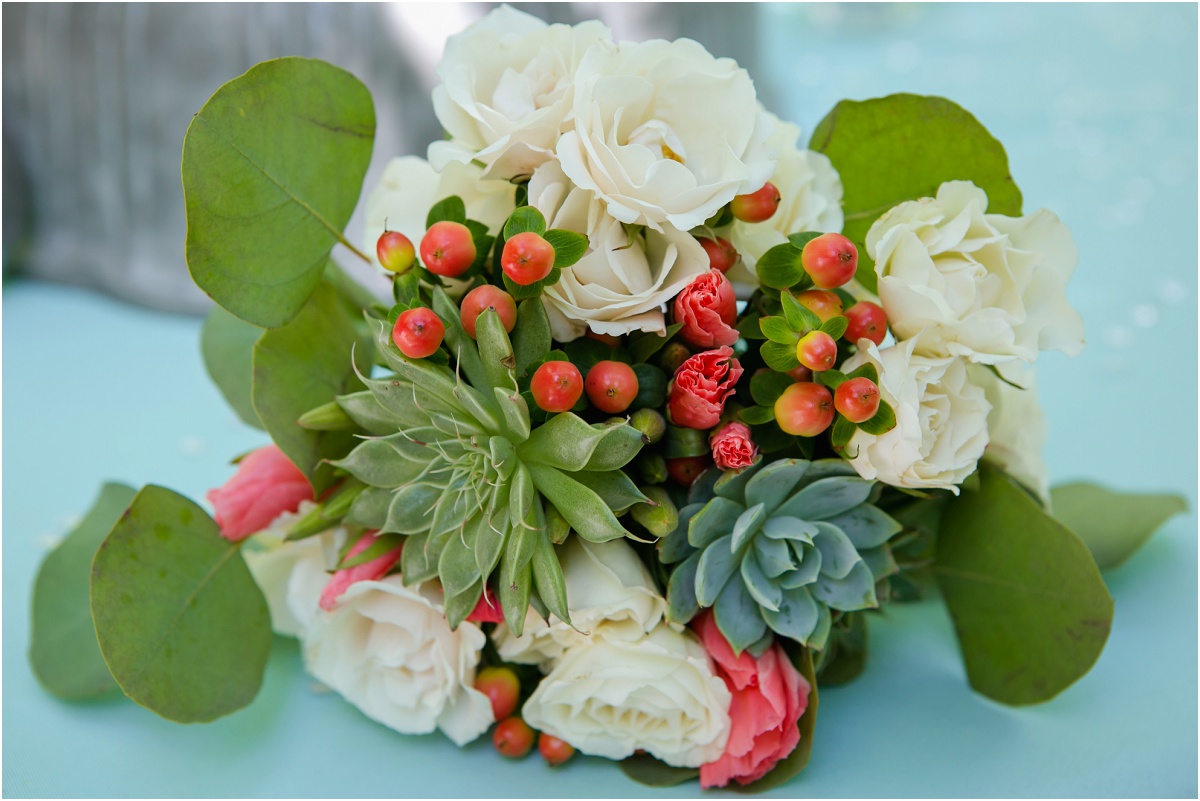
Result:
<point x="707" y="308"/>
<point x="769" y="697"/>
<point x="265" y="486"/>
<point x="700" y="388"/>
<point x="732" y="447"/>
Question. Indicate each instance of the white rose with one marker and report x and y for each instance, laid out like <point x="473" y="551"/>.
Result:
<point x="1016" y="425"/>
<point x="941" y="419"/>
<point x="985" y="287"/>
<point x="292" y="573"/>
<point x="610" y="698"/>
<point x="810" y="192"/>
<point x="388" y="650"/>
<point x="610" y="594"/>
<point x="665" y="133"/>
<point x="506" y="88"/>
<point x="625" y="278"/>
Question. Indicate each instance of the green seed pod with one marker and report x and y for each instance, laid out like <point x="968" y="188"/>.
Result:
<point x="686" y="442"/>
<point x="557" y="526"/>
<point x="652" y="424"/>
<point x="652" y="467"/>
<point x="659" y="520"/>
<point x="326" y="417"/>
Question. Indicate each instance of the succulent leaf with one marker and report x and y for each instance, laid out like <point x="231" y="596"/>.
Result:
<point x="828" y="497"/>
<point x="715" y="520"/>
<point x="838" y="555"/>
<point x="587" y="513"/>
<point x="681" y="591"/>
<point x="368" y="414"/>
<point x="738" y="616"/>
<point x="613" y="487"/>
<point x="548" y="578"/>
<point x="855" y="591"/>
<point x="675" y="546"/>
<point x="774" y="483"/>
<point x="717" y="565"/>
<point x="370" y="508"/>
<point x="747" y="525"/>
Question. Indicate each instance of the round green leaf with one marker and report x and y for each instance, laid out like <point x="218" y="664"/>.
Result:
<point x="181" y="623"/>
<point x="272" y="169"/>
<point x="227" y="345"/>
<point x="1112" y="524"/>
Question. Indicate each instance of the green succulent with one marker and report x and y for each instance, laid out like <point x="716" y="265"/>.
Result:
<point x="775" y="548"/>
<point x="456" y="467"/>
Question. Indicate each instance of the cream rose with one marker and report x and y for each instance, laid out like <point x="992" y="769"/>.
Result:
<point x="610" y="594"/>
<point x="1016" y="425"/>
<point x="626" y="277"/>
<point x="982" y="286"/>
<point x="388" y="650"/>
<point x="610" y="698"/>
<point x="941" y="419"/>
<point x="507" y="86"/>
<point x="665" y="133"/>
<point x="810" y="191"/>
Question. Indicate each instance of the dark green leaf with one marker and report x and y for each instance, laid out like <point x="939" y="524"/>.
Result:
<point x="757" y="415"/>
<point x="1112" y="524"/>
<point x="180" y="621"/>
<point x="902" y="147"/>
<point x="569" y="247"/>
<point x="227" y="345"/>
<point x="779" y="267"/>
<point x="525" y="218"/>
<point x="272" y="169"/>
<point x="451" y="208"/>
<point x="883" y="421"/>
<point x="63" y="651"/>
<point x="1031" y="611"/>
<point x="652" y="387"/>
<point x="866" y="370"/>
<point x="779" y="357"/>
<point x="749" y="328"/>
<point x="548" y="578"/>
<point x="803" y="238"/>
<point x="644" y="344"/>
<point x="767" y="386"/>
<point x="830" y="378"/>
<point x="645" y="769"/>
<point x="843" y="432"/>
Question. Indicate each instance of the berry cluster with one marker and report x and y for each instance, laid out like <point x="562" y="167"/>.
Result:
<point x="512" y="736"/>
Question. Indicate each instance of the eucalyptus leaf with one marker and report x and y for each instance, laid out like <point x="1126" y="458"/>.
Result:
<point x="1112" y="524"/>
<point x="62" y="650"/>
<point x="647" y="770"/>
<point x="271" y="175"/>
<point x="181" y="623"/>
<point x="227" y="345"/>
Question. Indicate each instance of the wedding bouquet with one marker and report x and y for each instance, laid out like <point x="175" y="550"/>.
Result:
<point x="660" y="410"/>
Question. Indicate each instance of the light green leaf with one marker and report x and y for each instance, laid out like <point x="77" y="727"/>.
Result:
<point x="227" y="345"/>
<point x="181" y="623"/>
<point x="565" y="441"/>
<point x="779" y="267"/>
<point x="458" y="342"/>
<point x="368" y="414"/>
<point x="757" y="415"/>
<point x="419" y="559"/>
<point x="301" y="365"/>
<point x="616" y="449"/>
<point x="613" y="487"/>
<point x="902" y="147"/>
<point x="370" y="508"/>
<point x="516" y="578"/>
<point x="777" y="329"/>
<point x="586" y="511"/>
<point x="531" y="336"/>
<point x="272" y="169"/>
<point x="451" y="208"/>
<point x="569" y="247"/>
<point x="411" y="509"/>
<point x="377" y="463"/>
<point x="523" y="219"/>
<point x="496" y="352"/>
<point x="63" y="650"/>
<point x="799" y="316"/>
<point x="779" y="357"/>
<point x="1031" y="611"/>
<point x="835" y="326"/>
<point x="1112" y="524"/>
<point x="548" y="578"/>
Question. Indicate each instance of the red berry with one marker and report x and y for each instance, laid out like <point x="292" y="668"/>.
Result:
<point x="830" y="260"/>
<point x="857" y="399"/>
<point x="418" y="333"/>
<point x="501" y="687"/>
<point x="817" y="351"/>
<point x="395" y="251"/>
<point x="800" y="373"/>
<point x="527" y="258"/>
<point x="611" y="386"/>
<point x="685" y="470"/>
<point x="804" y="409"/>
<point x="556" y="386"/>
<point x="825" y="305"/>
<point x="485" y="297"/>
<point x="721" y="255"/>
<point x="513" y="738"/>
<point x="756" y="206"/>
<point x="866" y="319"/>
<point x="554" y="750"/>
<point x="448" y="249"/>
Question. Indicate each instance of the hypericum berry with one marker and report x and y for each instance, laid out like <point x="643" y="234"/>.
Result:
<point x="513" y="738"/>
<point x="485" y="297"/>
<point x="800" y="373"/>
<point x="395" y="252"/>
<point x="611" y="386"/>
<point x="866" y="319"/>
<point x="556" y="386"/>
<point x="804" y="409"/>
<point x="830" y="260"/>
<point x="685" y="470"/>
<point x="418" y="333"/>
<point x="447" y="248"/>
<point x="825" y="305"/>
<point x="756" y="206"/>
<point x="502" y="688"/>
<point x="817" y="351"/>
<point x="527" y="258"/>
<point x="554" y="750"/>
<point x="721" y="255"/>
<point x="673" y="355"/>
<point x="857" y="399"/>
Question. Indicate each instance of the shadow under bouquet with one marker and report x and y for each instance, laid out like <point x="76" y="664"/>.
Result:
<point x="660" y="409"/>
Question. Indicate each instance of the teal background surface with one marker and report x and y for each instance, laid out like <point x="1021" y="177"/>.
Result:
<point x="1096" y="106"/>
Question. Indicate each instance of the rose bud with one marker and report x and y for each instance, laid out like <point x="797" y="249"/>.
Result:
<point x="700" y="388"/>
<point x="265" y="486"/>
<point x="707" y="308"/>
<point x="732" y="447"/>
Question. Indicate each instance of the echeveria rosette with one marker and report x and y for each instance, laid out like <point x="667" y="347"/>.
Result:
<point x="457" y="467"/>
<point x="776" y="548"/>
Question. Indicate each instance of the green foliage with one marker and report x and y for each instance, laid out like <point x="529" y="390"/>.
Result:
<point x="645" y="344"/>
<point x="227" y="345"/>
<point x="766" y="387"/>
<point x="1031" y="611"/>
<point x="569" y="246"/>
<point x="780" y="268"/>
<point x="450" y="209"/>
<point x="272" y="168"/>
<point x="531" y="336"/>
<point x="1112" y="524"/>
<point x="647" y="770"/>
<point x="883" y="421"/>
<point x="799" y="317"/>
<point x="300" y="366"/>
<point x="180" y="621"/>
<point x="524" y="219"/>
<point x="779" y="357"/>
<point x="63" y="651"/>
<point x="835" y="326"/>
<point x="902" y="147"/>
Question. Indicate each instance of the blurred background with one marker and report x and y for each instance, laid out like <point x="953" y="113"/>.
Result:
<point x="1096" y="105"/>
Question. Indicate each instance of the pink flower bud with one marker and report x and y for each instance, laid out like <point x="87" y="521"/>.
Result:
<point x="265" y="486"/>
<point x="487" y="610"/>
<point x="373" y="570"/>
<point x="733" y="448"/>
<point x="700" y="388"/>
